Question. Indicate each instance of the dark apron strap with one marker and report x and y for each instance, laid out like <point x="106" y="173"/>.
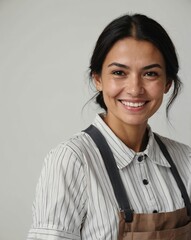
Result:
<point x="115" y="178"/>
<point x="175" y="174"/>
<point x="112" y="171"/>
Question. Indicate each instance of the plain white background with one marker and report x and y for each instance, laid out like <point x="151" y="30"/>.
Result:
<point x="45" y="47"/>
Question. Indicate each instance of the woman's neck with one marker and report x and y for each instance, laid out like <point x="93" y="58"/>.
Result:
<point x="133" y="136"/>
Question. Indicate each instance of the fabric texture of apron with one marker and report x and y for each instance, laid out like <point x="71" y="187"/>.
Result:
<point x="174" y="225"/>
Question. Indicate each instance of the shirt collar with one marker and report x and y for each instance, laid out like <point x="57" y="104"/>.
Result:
<point x="124" y="155"/>
<point x="154" y="153"/>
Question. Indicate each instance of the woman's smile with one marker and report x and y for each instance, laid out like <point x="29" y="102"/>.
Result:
<point x="133" y="105"/>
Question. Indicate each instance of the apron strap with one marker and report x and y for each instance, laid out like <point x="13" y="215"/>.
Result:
<point x="112" y="171"/>
<point x="175" y="174"/>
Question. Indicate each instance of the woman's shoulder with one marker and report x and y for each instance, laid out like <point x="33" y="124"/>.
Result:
<point x="169" y="142"/>
<point x="74" y="147"/>
<point x="181" y="156"/>
<point x="176" y="148"/>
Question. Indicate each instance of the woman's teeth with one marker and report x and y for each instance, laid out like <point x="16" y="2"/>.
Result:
<point x="132" y="104"/>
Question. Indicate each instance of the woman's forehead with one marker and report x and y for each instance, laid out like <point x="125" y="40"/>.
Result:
<point x="130" y="50"/>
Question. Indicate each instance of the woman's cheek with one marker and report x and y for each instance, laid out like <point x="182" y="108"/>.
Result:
<point x="113" y="89"/>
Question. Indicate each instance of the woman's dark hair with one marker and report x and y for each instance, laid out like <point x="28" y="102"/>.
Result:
<point x="140" y="27"/>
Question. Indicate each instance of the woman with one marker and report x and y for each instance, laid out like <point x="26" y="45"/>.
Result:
<point x="117" y="179"/>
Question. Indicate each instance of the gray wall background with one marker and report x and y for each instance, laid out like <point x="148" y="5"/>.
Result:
<point x="45" y="48"/>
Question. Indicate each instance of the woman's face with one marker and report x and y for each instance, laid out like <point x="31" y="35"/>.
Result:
<point x="133" y="81"/>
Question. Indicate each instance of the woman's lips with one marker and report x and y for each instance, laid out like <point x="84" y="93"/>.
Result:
<point x="136" y="104"/>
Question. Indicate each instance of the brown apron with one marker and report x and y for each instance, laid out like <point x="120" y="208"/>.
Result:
<point x="174" y="225"/>
<point x="161" y="226"/>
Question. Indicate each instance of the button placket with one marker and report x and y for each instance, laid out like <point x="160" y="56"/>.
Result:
<point x="147" y="186"/>
<point x="144" y="172"/>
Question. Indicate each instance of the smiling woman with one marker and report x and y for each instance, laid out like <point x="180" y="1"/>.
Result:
<point x="133" y="81"/>
<point x="117" y="179"/>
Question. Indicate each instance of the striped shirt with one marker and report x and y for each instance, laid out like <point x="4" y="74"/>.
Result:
<point x="74" y="196"/>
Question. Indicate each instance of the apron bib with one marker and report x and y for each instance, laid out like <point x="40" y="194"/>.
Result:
<point x="174" y="225"/>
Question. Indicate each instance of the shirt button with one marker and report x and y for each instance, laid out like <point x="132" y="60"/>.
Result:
<point x="145" y="181"/>
<point x="155" y="211"/>
<point x="140" y="158"/>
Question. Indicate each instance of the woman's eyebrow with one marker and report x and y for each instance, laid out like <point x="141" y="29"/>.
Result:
<point x="152" y="66"/>
<point x="118" y="65"/>
<point x="127" y="67"/>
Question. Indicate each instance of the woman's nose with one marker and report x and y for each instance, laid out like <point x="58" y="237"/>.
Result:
<point x="135" y="86"/>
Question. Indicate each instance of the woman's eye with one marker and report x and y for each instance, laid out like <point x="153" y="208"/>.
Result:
<point x="151" y="74"/>
<point x="118" y="73"/>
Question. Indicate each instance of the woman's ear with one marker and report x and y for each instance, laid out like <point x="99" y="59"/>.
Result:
<point x="97" y="81"/>
<point x="168" y="85"/>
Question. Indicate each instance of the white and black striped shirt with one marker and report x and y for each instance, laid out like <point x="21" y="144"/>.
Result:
<point x="74" y="196"/>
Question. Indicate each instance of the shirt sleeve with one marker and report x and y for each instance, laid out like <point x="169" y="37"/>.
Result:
<point x="60" y="203"/>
